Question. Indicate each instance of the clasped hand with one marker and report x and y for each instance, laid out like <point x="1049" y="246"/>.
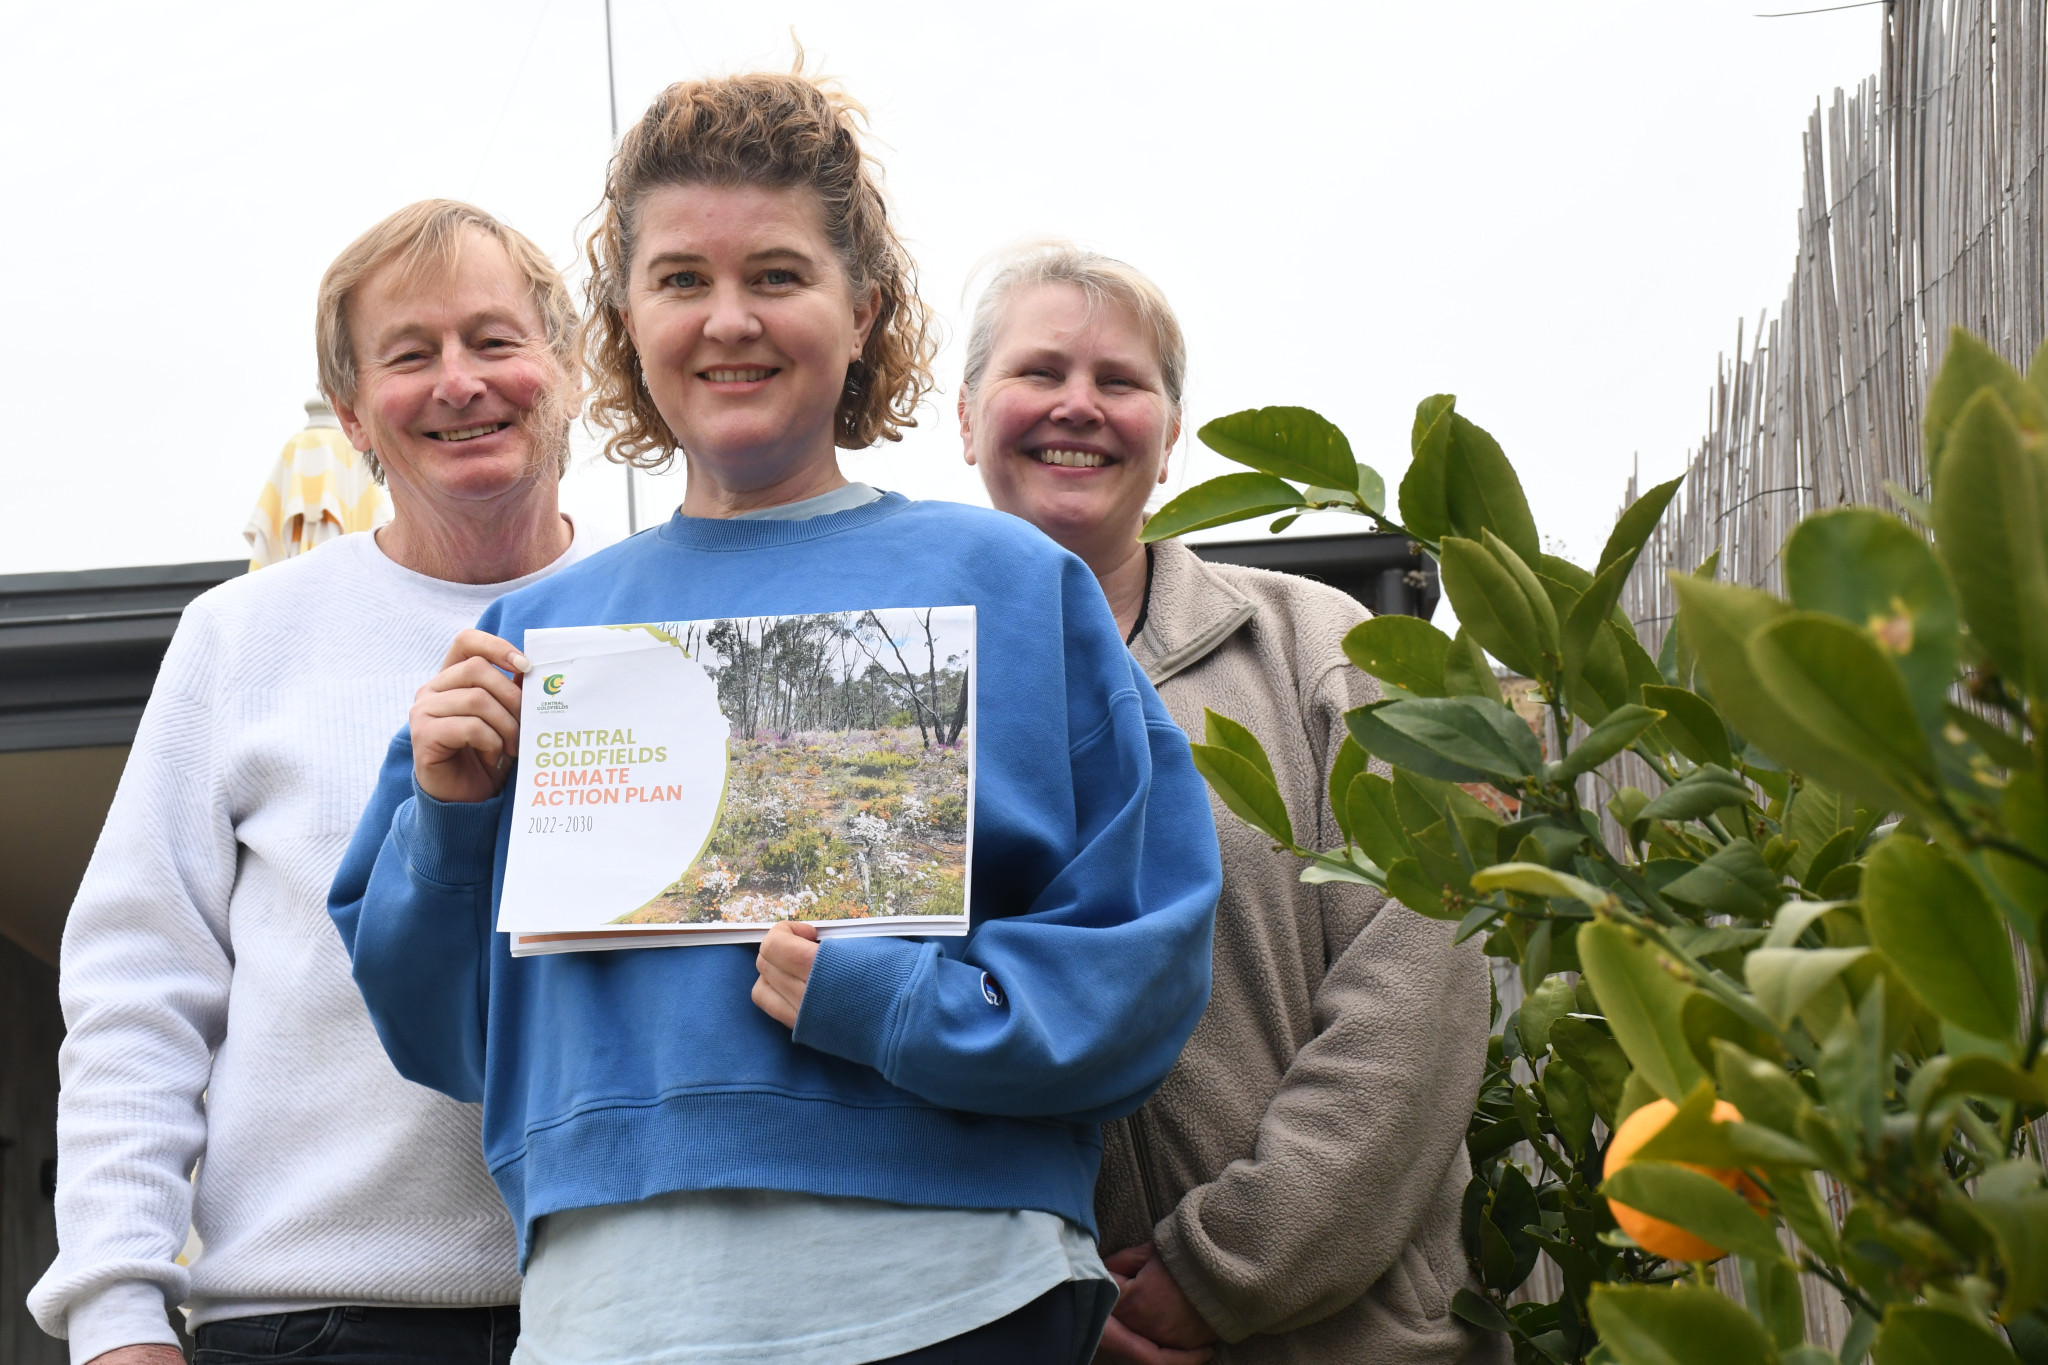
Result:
<point x="1153" y="1324"/>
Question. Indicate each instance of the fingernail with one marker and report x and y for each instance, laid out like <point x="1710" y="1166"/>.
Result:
<point x="519" y="662"/>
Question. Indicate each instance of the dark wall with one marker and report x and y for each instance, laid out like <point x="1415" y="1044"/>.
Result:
<point x="30" y="1030"/>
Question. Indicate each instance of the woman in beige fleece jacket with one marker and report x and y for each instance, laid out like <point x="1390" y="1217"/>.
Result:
<point x="1292" y="1192"/>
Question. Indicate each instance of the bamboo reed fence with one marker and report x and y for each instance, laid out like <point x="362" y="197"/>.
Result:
<point x="1922" y="209"/>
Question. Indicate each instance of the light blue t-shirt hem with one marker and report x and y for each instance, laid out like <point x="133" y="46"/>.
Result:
<point x="736" y="1277"/>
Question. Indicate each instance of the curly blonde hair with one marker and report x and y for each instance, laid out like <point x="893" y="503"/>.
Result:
<point x="776" y="131"/>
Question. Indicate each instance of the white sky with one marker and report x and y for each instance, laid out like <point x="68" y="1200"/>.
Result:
<point x="1557" y="212"/>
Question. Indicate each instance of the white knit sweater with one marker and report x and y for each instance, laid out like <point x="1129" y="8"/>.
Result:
<point x="210" y="1011"/>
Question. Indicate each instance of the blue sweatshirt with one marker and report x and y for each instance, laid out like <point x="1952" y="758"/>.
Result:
<point x="608" y="1078"/>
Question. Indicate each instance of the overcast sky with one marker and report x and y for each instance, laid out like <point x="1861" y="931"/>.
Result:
<point x="1557" y="212"/>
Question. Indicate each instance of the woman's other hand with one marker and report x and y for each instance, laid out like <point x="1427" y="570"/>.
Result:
<point x="1154" y="1324"/>
<point x="784" y="964"/>
<point x="465" y="721"/>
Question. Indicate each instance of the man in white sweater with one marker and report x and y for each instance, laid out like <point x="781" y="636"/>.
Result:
<point x="344" y="1213"/>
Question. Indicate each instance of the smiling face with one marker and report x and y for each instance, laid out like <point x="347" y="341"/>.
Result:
<point x="455" y="380"/>
<point x="745" y="323"/>
<point x="1071" y="424"/>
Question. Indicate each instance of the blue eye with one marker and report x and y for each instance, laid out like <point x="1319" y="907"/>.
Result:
<point x="778" y="277"/>
<point x="685" y="279"/>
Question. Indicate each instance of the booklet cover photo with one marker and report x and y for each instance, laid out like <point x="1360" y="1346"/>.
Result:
<point x="698" y="781"/>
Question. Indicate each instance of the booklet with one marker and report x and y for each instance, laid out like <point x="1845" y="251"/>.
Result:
<point x="698" y="781"/>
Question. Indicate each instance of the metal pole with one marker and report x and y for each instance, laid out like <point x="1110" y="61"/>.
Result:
<point x="611" y="85"/>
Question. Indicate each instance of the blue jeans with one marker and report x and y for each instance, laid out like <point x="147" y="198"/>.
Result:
<point x="1059" y="1327"/>
<point x="355" y="1335"/>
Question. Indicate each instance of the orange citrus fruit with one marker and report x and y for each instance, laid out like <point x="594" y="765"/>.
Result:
<point x="1654" y="1234"/>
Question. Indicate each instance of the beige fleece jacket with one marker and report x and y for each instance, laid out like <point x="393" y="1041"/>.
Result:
<point x="1302" y="1167"/>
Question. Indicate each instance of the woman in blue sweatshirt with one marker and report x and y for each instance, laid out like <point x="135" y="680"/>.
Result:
<point x="859" y="1150"/>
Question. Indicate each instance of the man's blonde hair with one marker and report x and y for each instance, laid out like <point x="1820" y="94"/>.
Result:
<point x="424" y="241"/>
<point x="1100" y="277"/>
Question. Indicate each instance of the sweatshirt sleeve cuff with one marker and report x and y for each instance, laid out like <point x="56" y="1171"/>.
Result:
<point x="1171" y="1245"/>
<point x="852" y="1001"/>
<point x="127" y="1313"/>
<point x="450" y="843"/>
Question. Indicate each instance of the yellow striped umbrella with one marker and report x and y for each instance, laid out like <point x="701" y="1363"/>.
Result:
<point x="320" y="488"/>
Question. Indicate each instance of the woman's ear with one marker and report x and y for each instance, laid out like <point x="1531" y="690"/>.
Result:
<point x="966" y="428"/>
<point x="865" y="311"/>
<point x="1172" y="444"/>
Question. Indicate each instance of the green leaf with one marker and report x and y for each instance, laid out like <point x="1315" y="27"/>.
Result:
<point x="1930" y="919"/>
<point x="1569" y="1098"/>
<point x="1586" y="621"/>
<point x="1423" y="507"/>
<point x="1917" y="1334"/>
<point x="1999" y="744"/>
<point x="1645" y="1006"/>
<point x="1691" y="725"/>
<point x="1221" y="732"/>
<point x="1403" y="650"/>
<point x="2013" y="1207"/>
<point x="1491" y="605"/>
<point x="1406" y="884"/>
<point x="1816" y="815"/>
<point x="1857" y="729"/>
<point x="1708" y="1020"/>
<point x="1840" y="847"/>
<point x="2024" y="809"/>
<point x="1607" y="739"/>
<point x="1771" y="1284"/>
<point x="1784" y="979"/>
<point x="1872" y="571"/>
<point x="1481" y="492"/>
<point x="1340" y="869"/>
<point x="1480" y="1312"/>
<point x="1700" y="1204"/>
<point x="1218" y="502"/>
<point x="1467" y="672"/>
<point x="1372" y="489"/>
<point x="1249" y="793"/>
<point x="1989" y="522"/>
<point x="1734" y="881"/>
<point x="1977" y="1073"/>
<point x="1374" y="825"/>
<point x="1633" y="527"/>
<point x="1799" y="1203"/>
<point x="1716" y="621"/>
<point x="1541" y="608"/>
<point x="1596" y="1058"/>
<point x="1350" y="762"/>
<point x="1534" y="879"/>
<point x="1968" y="367"/>
<point x="1679" y="1325"/>
<point x="1699" y="793"/>
<point x="1455" y="739"/>
<point x="1760" y="1089"/>
<point x="1292" y="443"/>
<point x="1545" y="1005"/>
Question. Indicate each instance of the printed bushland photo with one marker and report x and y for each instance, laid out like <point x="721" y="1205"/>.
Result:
<point x="847" y="785"/>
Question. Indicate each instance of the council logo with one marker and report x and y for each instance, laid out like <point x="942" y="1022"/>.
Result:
<point x="552" y="685"/>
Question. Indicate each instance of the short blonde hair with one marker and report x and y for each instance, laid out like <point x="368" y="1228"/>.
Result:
<point x="1101" y="278"/>
<point x="425" y="240"/>
<point x="778" y="132"/>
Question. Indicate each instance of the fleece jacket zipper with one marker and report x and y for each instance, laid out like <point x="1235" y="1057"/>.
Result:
<point x="1141" y="1152"/>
